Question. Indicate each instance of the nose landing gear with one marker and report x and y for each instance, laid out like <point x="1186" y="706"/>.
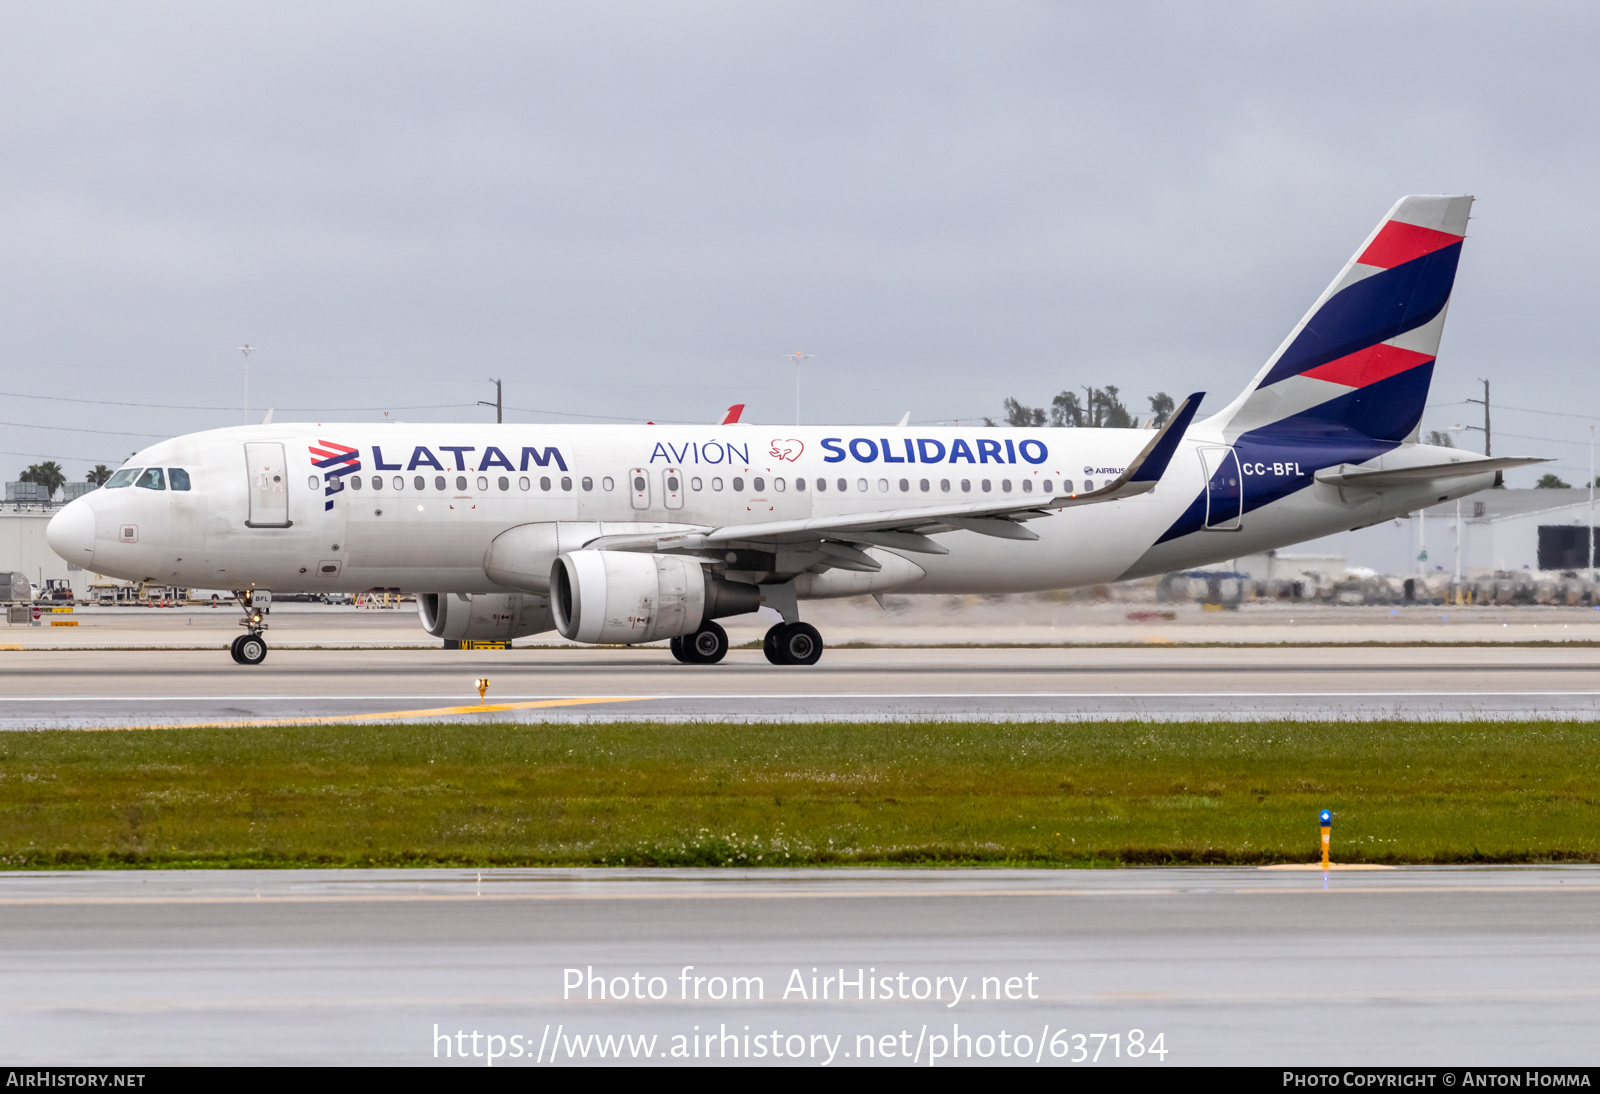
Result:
<point x="250" y="648"/>
<point x="793" y="644"/>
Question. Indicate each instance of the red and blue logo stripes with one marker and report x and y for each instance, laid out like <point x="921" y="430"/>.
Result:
<point x="335" y="461"/>
<point x="1342" y="343"/>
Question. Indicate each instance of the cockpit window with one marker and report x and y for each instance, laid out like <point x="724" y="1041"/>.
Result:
<point x="178" y="477"/>
<point x="152" y="479"/>
<point x="124" y="477"/>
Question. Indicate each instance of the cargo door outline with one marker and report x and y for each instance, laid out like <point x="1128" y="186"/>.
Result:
<point x="268" y="485"/>
<point x="1224" y="489"/>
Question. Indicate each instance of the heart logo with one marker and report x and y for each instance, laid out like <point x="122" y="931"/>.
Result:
<point x="786" y="450"/>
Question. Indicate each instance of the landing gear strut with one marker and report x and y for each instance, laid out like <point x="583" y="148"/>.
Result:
<point x="706" y="646"/>
<point x="250" y="648"/>
<point x="793" y="644"/>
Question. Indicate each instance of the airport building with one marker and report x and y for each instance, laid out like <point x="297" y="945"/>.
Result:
<point x="23" y="549"/>
<point x="1495" y="530"/>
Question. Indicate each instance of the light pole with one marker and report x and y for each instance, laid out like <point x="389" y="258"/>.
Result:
<point x="499" y="408"/>
<point x="245" y="349"/>
<point x="798" y="357"/>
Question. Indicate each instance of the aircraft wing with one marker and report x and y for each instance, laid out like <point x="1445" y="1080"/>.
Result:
<point x="908" y="528"/>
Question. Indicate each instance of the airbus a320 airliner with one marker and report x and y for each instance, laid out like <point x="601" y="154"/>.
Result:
<point x="628" y="534"/>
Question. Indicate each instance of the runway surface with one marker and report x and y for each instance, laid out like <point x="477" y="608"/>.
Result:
<point x="1424" y="966"/>
<point x="121" y="688"/>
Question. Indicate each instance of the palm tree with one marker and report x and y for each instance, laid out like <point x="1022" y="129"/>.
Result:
<point x="100" y="474"/>
<point x="48" y="475"/>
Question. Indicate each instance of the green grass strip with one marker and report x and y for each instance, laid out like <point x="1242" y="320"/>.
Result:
<point x="1042" y="794"/>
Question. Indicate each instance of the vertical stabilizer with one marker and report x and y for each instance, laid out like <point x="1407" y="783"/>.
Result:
<point x="1360" y="362"/>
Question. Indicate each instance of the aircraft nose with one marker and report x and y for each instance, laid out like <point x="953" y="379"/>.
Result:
<point x="70" y="533"/>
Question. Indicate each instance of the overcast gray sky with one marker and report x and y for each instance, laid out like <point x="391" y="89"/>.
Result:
<point x="634" y="211"/>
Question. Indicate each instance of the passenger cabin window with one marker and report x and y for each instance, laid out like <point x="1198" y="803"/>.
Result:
<point x="1027" y="486"/>
<point x="777" y="484"/>
<point x="944" y="485"/>
<point x="420" y="483"/>
<point x="152" y="479"/>
<point x="311" y="483"/>
<point x="123" y="478"/>
<point x="178" y="478"/>
<point x="438" y="482"/>
<point x="523" y="483"/>
<point x="607" y="485"/>
<point x="883" y="486"/>
<point x="923" y="483"/>
<point x="544" y="482"/>
<point x="588" y="483"/>
<point x="1047" y="486"/>
<point x="861" y="486"/>
<point x="966" y="486"/>
<point x="461" y="484"/>
<point x="697" y="484"/>
<point x="1005" y="486"/>
<point x="985" y="485"/>
<point x="716" y="484"/>
<point x="738" y="484"/>
<point x="843" y="484"/>
<point x="1088" y="486"/>
<point x="400" y="484"/>
<point x="566" y="483"/>
<point x="483" y="484"/>
<point x="504" y="483"/>
<point x="355" y="482"/>
<point x="799" y="484"/>
<point x="377" y="482"/>
<point x="822" y="486"/>
<point x="759" y="483"/>
<point x="905" y="486"/>
<point x="1066" y="486"/>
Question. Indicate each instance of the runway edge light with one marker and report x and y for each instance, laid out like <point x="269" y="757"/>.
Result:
<point x="482" y="684"/>
<point x="1326" y="820"/>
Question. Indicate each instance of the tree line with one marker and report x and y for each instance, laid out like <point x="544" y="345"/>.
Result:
<point x="1099" y="408"/>
<point x="50" y="476"/>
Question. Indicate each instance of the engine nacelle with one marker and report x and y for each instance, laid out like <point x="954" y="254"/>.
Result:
<point x="621" y="597"/>
<point x="483" y="617"/>
<point x="521" y="558"/>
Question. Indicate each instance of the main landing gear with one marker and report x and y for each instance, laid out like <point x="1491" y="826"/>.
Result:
<point x="706" y="646"/>
<point x="793" y="644"/>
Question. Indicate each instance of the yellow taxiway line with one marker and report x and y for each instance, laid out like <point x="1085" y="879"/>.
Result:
<point x="335" y="719"/>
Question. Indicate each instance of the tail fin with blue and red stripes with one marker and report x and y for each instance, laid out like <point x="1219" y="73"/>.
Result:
<point x="1357" y="367"/>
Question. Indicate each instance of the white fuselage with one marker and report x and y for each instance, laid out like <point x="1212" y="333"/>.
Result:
<point x="432" y="498"/>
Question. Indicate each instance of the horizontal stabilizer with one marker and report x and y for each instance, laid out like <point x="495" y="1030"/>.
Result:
<point x="1350" y="475"/>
